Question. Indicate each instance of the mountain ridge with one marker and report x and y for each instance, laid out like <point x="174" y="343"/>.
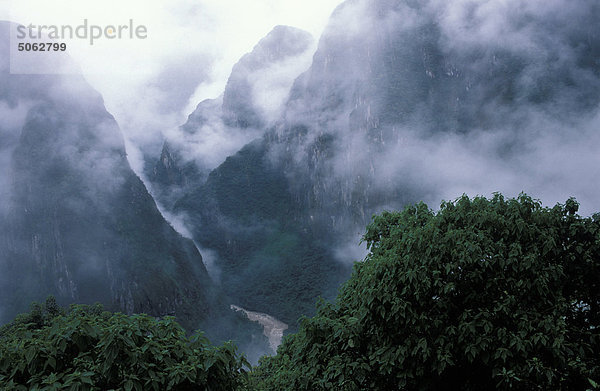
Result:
<point x="78" y="223"/>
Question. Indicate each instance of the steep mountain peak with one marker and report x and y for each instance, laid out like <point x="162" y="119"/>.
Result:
<point x="253" y="99"/>
<point x="279" y="44"/>
<point x="241" y="105"/>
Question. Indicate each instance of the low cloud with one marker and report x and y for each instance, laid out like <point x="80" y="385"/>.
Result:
<point x="211" y="261"/>
<point x="429" y="100"/>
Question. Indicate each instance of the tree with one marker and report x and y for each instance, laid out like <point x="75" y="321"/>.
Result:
<point x="91" y="349"/>
<point x="484" y="294"/>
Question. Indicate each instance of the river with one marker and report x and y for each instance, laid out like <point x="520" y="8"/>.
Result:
<point x="273" y="328"/>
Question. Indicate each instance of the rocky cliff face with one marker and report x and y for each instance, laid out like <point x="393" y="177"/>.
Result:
<point x="388" y="72"/>
<point x="76" y="222"/>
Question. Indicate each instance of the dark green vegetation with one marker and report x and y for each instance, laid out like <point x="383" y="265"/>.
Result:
<point x="484" y="294"/>
<point x="87" y="348"/>
<point x="270" y="259"/>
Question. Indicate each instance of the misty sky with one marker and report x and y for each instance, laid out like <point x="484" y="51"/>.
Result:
<point x="151" y="86"/>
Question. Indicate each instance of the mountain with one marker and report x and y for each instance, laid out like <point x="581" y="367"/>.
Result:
<point x="270" y="258"/>
<point x="242" y="209"/>
<point x="405" y="100"/>
<point x="76" y="221"/>
<point x="241" y="101"/>
<point x="253" y="98"/>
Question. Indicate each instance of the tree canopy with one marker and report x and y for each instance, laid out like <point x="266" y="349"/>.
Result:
<point x="483" y="294"/>
<point x="87" y="348"/>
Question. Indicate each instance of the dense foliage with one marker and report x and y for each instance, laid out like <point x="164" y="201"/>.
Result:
<point x="483" y="294"/>
<point x="87" y="348"/>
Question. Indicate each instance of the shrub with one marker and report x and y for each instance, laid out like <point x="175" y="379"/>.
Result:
<point x="90" y="349"/>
